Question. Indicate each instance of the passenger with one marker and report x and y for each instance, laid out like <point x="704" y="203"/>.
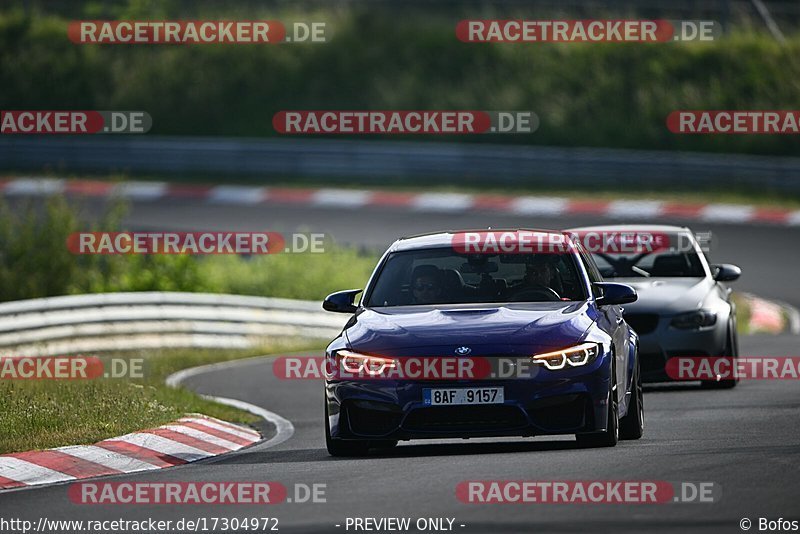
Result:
<point x="426" y="285"/>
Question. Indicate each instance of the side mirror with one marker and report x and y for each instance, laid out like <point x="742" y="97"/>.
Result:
<point x="341" y="301"/>
<point x="725" y="272"/>
<point x="613" y="293"/>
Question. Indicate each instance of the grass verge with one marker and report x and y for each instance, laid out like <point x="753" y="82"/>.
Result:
<point x="742" y="313"/>
<point x="49" y="413"/>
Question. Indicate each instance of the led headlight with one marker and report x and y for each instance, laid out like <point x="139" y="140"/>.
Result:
<point x="572" y="356"/>
<point x="695" y="319"/>
<point x="356" y="363"/>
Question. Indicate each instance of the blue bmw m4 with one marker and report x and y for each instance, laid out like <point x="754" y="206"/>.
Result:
<point x="482" y="334"/>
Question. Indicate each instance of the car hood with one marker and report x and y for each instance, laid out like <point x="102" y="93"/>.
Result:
<point x="667" y="296"/>
<point x="485" y="329"/>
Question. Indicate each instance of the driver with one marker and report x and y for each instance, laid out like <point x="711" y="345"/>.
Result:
<point x="540" y="274"/>
<point x="426" y="284"/>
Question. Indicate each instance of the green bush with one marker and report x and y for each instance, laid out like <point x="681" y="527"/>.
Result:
<point x="34" y="258"/>
<point x="35" y="262"/>
<point x="613" y="94"/>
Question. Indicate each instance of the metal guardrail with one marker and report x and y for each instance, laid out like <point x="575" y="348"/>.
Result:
<point x="132" y="321"/>
<point x="378" y="162"/>
<point x="152" y="320"/>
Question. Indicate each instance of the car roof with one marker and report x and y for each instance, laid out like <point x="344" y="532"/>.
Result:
<point x="445" y="238"/>
<point x="636" y="227"/>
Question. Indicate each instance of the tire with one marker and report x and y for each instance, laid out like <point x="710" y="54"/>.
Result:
<point x="632" y="425"/>
<point x="610" y="436"/>
<point x="731" y="351"/>
<point x="343" y="447"/>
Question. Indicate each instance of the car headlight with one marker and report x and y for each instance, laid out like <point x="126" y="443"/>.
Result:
<point x="356" y="363"/>
<point x="695" y="319"/>
<point x="573" y="356"/>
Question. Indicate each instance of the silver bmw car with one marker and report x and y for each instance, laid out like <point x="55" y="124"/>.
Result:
<point x="684" y="307"/>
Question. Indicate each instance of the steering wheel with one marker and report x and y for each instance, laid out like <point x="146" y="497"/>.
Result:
<point x="536" y="295"/>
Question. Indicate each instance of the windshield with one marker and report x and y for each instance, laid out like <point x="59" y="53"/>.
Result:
<point x="444" y="276"/>
<point x="667" y="263"/>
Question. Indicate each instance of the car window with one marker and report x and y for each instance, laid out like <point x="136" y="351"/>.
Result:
<point x="591" y="268"/>
<point x="589" y="264"/>
<point x="445" y="276"/>
<point x="673" y="256"/>
<point x="655" y="264"/>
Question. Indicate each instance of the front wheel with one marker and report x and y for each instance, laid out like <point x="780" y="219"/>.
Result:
<point x="610" y="436"/>
<point x="632" y="425"/>
<point x="343" y="447"/>
<point x="731" y="351"/>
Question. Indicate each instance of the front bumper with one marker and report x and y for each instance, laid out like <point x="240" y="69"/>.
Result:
<point x="554" y="402"/>
<point x="658" y="342"/>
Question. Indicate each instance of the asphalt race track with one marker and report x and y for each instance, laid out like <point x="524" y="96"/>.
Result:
<point x="767" y="254"/>
<point x="746" y="440"/>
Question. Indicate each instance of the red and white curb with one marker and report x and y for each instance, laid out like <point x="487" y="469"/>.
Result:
<point x="188" y="439"/>
<point x="771" y="317"/>
<point x="428" y="202"/>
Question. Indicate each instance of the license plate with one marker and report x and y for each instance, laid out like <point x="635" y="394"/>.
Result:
<point x="455" y="396"/>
